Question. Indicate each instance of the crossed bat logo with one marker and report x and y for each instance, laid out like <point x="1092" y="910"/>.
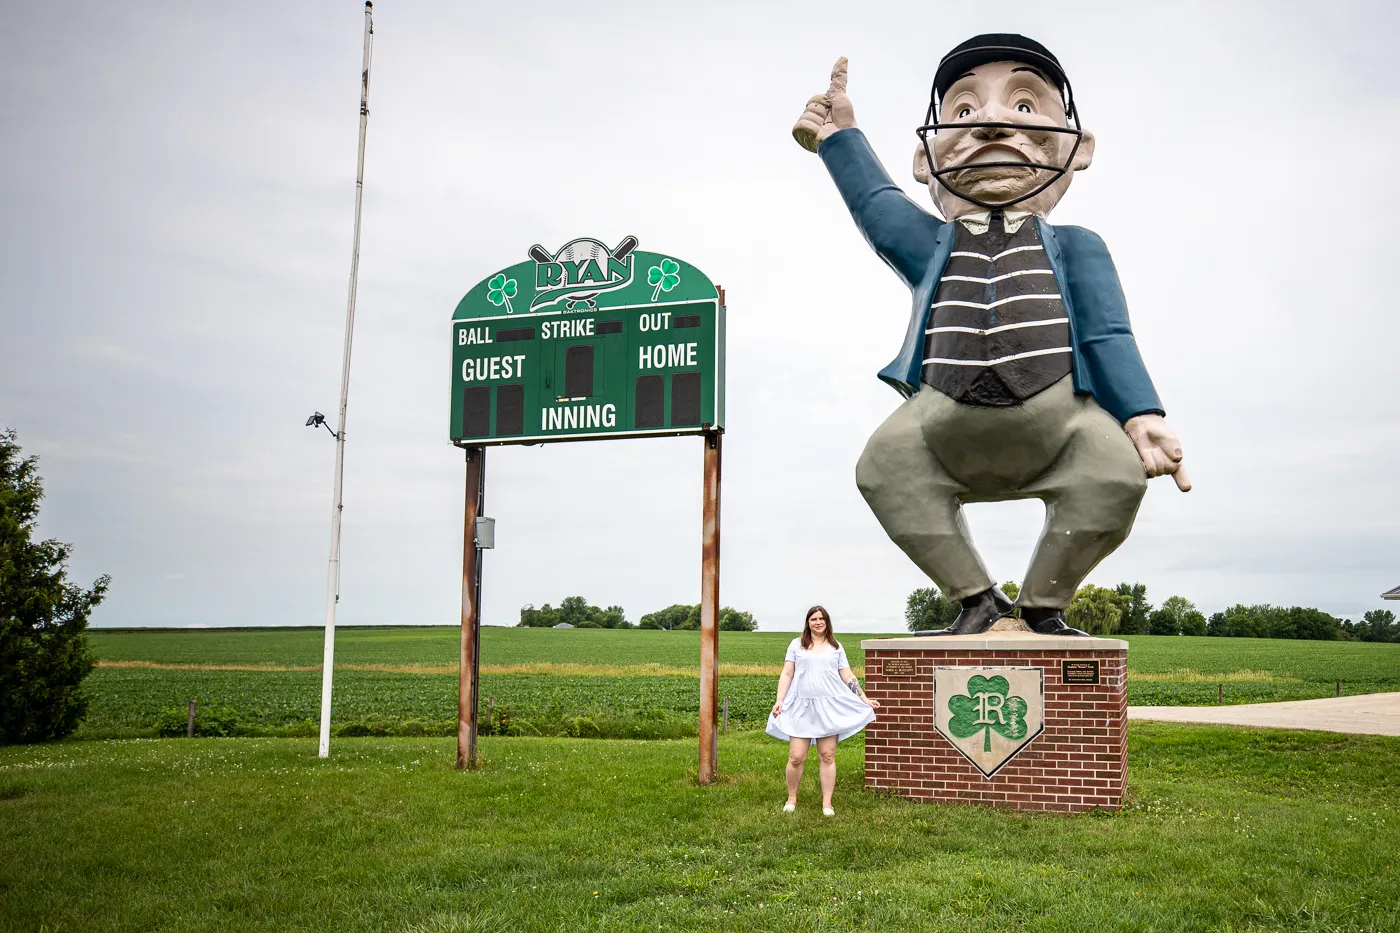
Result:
<point x="581" y="270"/>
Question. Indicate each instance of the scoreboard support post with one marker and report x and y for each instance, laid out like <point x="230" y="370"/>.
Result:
<point x="470" y="670"/>
<point x="709" y="609"/>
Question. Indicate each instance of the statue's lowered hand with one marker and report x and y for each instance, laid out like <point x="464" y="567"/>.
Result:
<point x="826" y="113"/>
<point x="1158" y="447"/>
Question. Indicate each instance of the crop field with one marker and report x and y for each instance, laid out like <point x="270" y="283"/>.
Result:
<point x="438" y="646"/>
<point x="1224" y="830"/>
<point x="595" y="682"/>
<point x="127" y="701"/>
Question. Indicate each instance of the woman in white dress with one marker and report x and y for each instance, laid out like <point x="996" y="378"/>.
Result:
<point x="818" y="698"/>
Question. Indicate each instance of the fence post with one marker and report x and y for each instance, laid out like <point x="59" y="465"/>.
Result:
<point x="189" y="723"/>
<point x="725" y="727"/>
<point x="1219" y="694"/>
<point x="1339" y="688"/>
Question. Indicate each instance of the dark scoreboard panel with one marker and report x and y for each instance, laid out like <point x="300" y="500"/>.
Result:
<point x="629" y="371"/>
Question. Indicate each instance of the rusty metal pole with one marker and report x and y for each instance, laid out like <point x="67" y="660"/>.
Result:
<point x="469" y="673"/>
<point x="709" y="611"/>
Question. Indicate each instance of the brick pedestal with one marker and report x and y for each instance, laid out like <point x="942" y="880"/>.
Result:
<point x="1079" y="762"/>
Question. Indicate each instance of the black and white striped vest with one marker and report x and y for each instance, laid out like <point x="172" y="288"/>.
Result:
<point x="999" y="331"/>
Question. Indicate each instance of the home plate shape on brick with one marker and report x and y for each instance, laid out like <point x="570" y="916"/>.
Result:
<point x="989" y="713"/>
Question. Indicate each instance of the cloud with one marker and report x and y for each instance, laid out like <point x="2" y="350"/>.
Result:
<point x="178" y="191"/>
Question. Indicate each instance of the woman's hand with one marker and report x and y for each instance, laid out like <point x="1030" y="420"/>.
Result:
<point x="777" y="708"/>
<point x="873" y="704"/>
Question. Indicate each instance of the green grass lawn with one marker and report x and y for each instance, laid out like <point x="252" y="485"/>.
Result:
<point x="1226" y="830"/>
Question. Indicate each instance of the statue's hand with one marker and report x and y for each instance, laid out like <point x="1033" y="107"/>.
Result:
<point x="1158" y="447"/>
<point x="826" y="113"/>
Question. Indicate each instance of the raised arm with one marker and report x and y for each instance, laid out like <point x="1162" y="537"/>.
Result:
<point x="826" y="113"/>
<point x="901" y="233"/>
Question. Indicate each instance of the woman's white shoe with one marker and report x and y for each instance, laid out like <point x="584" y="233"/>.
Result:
<point x="789" y="807"/>
<point x="827" y="811"/>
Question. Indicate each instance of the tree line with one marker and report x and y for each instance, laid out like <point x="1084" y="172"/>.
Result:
<point x="578" y="612"/>
<point x="1125" y="610"/>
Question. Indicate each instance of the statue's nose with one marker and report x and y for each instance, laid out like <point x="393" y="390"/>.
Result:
<point x="994" y="113"/>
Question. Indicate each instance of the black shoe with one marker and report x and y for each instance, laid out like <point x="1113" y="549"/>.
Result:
<point x="979" y="613"/>
<point x="1046" y="621"/>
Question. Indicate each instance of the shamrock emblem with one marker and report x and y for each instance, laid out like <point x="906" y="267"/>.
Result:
<point x="665" y="277"/>
<point x="500" y="290"/>
<point x="985" y="708"/>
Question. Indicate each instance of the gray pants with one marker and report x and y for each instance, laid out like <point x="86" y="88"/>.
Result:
<point x="933" y="454"/>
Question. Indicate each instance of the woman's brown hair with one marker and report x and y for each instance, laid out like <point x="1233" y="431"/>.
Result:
<point x="807" y="628"/>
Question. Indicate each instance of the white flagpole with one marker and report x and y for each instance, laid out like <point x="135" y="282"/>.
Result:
<point x="333" y="574"/>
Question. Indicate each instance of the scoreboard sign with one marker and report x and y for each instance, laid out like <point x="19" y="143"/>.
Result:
<point x="591" y="341"/>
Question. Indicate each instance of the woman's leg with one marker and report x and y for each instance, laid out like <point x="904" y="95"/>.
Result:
<point x="797" y="757"/>
<point x="826" y="751"/>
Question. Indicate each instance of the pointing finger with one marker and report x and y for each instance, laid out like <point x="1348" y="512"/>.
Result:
<point x="838" y="77"/>
<point x="1183" y="482"/>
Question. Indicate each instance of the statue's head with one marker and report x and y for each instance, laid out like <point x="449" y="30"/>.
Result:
<point x="1002" y="129"/>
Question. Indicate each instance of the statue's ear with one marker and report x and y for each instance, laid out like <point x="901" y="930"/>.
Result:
<point x="1085" y="156"/>
<point x="921" y="169"/>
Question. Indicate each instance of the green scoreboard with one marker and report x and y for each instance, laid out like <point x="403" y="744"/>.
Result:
<point x="589" y="342"/>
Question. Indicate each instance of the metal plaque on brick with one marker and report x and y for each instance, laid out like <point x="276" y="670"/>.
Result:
<point x="989" y="713"/>
<point x="1079" y="672"/>
<point x="898" y="667"/>
<point x="585" y="342"/>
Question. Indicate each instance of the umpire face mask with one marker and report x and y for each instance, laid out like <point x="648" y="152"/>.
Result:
<point x="1004" y="134"/>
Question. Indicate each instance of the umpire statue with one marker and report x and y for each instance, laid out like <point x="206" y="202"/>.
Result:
<point x="1019" y="371"/>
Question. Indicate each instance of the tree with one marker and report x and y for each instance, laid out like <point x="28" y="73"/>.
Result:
<point x="1376" y="625"/>
<point x="1265" y="621"/>
<point x="1162" y="622"/>
<point x="732" y="620"/>
<point x="613" y="617"/>
<point x="1193" y="623"/>
<point x="683" y="618"/>
<point x="1095" y="609"/>
<point x="544" y="617"/>
<point x="1382" y="625"/>
<point x="927" y="610"/>
<point x="576" y="611"/>
<point x="1172" y="618"/>
<point x="1313" y="624"/>
<point x="1012" y="589"/>
<point x="44" y="653"/>
<point x="1241" y="621"/>
<point x="670" y="618"/>
<point x="1132" y="599"/>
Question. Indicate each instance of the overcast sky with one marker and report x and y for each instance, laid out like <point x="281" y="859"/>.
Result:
<point x="176" y="200"/>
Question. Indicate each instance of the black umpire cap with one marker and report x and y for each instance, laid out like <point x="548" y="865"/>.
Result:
<point x="997" y="47"/>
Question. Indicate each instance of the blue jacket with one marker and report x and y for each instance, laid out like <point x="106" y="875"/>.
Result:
<point x="916" y="245"/>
